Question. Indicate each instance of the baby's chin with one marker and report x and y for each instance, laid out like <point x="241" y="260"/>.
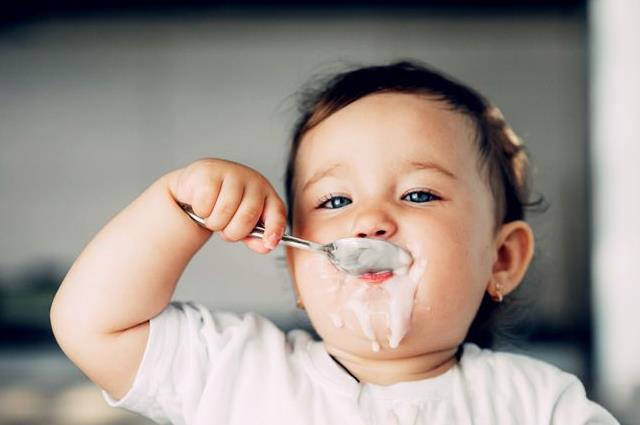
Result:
<point x="345" y="343"/>
<point x="346" y="332"/>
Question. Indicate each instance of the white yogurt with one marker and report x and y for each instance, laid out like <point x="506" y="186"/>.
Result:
<point x="392" y="299"/>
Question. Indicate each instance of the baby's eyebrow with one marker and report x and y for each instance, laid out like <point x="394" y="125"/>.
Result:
<point x="333" y="169"/>
<point x="425" y="165"/>
<point x="330" y="170"/>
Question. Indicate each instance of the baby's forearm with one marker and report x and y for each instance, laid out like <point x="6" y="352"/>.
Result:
<point x="127" y="274"/>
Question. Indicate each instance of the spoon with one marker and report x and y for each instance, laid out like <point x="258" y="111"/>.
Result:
<point x="354" y="256"/>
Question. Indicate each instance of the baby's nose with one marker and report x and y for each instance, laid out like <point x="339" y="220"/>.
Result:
<point x="373" y="224"/>
<point x="379" y="232"/>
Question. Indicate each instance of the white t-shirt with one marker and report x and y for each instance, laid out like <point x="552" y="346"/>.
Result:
<point x="203" y="368"/>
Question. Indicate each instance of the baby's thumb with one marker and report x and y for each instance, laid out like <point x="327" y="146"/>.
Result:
<point x="256" y="244"/>
<point x="274" y="220"/>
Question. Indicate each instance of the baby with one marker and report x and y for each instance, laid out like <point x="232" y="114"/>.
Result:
<point x="397" y="152"/>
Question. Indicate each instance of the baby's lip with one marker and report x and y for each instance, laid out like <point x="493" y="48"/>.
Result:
<point x="377" y="277"/>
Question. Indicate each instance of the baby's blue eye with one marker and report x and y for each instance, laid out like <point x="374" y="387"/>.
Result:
<point x="420" y="196"/>
<point x="335" y="202"/>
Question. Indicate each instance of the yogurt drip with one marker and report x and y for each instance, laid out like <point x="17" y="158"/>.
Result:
<point x="392" y="300"/>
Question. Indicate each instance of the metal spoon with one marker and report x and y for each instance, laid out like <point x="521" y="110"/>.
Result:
<point x="354" y="256"/>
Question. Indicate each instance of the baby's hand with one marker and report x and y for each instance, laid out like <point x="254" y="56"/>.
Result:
<point x="232" y="198"/>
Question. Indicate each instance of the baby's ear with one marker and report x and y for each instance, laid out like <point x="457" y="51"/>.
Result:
<point x="514" y="246"/>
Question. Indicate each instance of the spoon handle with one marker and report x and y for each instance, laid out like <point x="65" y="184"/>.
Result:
<point x="258" y="231"/>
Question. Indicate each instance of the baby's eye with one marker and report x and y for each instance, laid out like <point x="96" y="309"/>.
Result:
<point x="334" y="201"/>
<point x="421" y="196"/>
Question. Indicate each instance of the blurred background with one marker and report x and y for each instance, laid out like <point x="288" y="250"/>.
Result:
<point x="98" y="100"/>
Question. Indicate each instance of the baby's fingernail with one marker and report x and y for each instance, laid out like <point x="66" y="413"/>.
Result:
<point x="271" y="241"/>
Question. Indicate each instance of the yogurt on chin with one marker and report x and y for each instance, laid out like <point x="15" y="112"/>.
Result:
<point x="387" y="294"/>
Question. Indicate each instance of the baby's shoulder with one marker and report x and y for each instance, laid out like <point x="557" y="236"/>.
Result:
<point x="247" y="330"/>
<point x="523" y="387"/>
<point x="514" y="374"/>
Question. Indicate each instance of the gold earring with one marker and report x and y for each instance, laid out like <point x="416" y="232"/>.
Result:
<point x="498" y="297"/>
<point x="299" y="304"/>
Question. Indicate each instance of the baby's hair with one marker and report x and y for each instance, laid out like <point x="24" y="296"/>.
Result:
<point x="502" y="156"/>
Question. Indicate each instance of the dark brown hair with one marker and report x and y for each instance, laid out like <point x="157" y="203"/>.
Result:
<point x="502" y="156"/>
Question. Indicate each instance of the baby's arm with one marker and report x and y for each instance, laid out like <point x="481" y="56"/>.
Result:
<point x="127" y="274"/>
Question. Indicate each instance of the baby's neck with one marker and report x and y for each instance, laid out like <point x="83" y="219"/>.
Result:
<point x="391" y="371"/>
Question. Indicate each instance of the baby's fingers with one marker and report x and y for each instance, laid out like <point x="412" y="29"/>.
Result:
<point x="274" y="217"/>
<point x="256" y="244"/>
<point x="203" y="199"/>
<point x="226" y="204"/>
<point x="247" y="215"/>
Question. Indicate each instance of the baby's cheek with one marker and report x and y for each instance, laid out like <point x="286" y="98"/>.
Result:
<point x="317" y="279"/>
<point x="447" y="294"/>
<point x="321" y="286"/>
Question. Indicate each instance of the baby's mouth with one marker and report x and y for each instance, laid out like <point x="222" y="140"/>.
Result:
<point x="376" y="277"/>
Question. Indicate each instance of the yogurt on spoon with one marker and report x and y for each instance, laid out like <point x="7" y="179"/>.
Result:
<point x="364" y="256"/>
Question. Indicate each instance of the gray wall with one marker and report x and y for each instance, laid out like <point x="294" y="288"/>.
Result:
<point x="94" y="110"/>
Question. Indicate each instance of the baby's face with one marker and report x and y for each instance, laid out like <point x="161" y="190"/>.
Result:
<point x="441" y="212"/>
